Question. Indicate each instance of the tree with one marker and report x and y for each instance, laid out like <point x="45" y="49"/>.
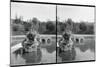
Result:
<point x="90" y="29"/>
<point x="50" y="28"/>
<point x="27" y="26"/>
<point x="75" y="29"/>
<point x="15" y="28"/>
<point x="83" y="28"/>
<point x="18" y="20"/>
<point x="42" y="27"/>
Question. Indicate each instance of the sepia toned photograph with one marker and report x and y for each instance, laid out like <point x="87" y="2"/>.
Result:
<point x="33" y="33"/>
<point x="75" y="33"/>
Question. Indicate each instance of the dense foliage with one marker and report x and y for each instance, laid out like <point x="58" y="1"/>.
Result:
<point x="20" y="27"/>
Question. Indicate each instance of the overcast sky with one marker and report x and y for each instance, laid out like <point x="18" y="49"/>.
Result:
<point x="43" y="12"/>
<point x="46" y="12"/>
<point x="76" y="13"/>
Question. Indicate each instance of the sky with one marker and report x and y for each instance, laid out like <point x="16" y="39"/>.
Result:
<point x="43" y="12"/>
<point x="76" y="13"/>
<point x="46" y="12"/>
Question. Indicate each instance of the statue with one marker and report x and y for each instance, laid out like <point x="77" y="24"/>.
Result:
<point x="66" y="47"/>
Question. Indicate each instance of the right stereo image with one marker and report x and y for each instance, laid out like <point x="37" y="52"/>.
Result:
<point x="75" y="33"/>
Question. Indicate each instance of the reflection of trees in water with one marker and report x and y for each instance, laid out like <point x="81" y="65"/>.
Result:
<point x="89" y="44"/>
<point x="51" y="48"/>
<point x="32" y="57"/>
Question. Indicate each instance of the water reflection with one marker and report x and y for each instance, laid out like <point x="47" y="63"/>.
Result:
<point x="83" y="56"/>
<point x="46" y="54"/>
<point x="32" y="57"/>
<point x="88" y="44"/>
<point x="81" y="52"/>
<point x="86" y="51"/>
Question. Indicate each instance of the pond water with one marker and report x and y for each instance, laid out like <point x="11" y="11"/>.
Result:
<point x="83" y="52"/>
<point x="83" y="56"/>
<point x="47" y="54"/>
<point x="32" y="58"/>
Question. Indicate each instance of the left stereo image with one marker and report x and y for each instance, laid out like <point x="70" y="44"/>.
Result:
<point x="33" y="33"/>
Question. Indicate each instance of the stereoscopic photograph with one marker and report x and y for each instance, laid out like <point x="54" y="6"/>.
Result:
<point x="51" y="33"/>
<point x="33" y="33"/>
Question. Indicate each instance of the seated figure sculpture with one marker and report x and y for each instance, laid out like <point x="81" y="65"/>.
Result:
<point x="30" y="43"/>
<point x="66" y="48"/>
<point x="65" y="42"/>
